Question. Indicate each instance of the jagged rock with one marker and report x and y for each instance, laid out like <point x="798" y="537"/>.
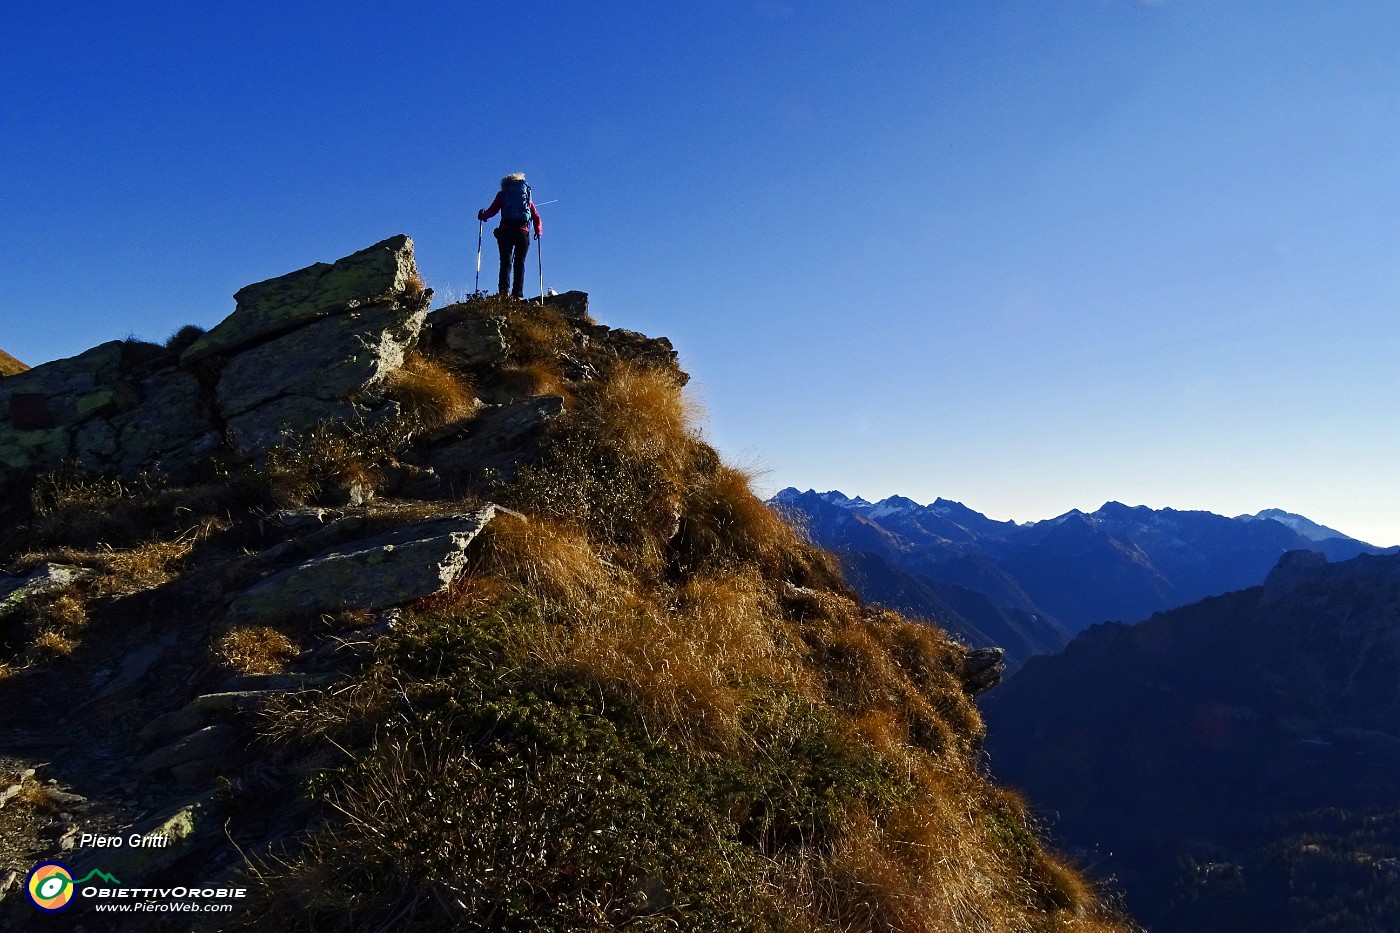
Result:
<point x="195" y="714"/>
<point x="117" y="407"/>
<point x="330" y="359"/>
<point x="982" y="670"/>
<point x="477" y="340"/>
<point x="275" y="306"/>
<point x="500" y="439"/>
<point x="65" y="391"/>
<point x="254" y="433"/>
<point x="571" y="304"/>
<point x="386" y="570"/>
<point x="168" y="426"/>
<point x="45" y="578"/>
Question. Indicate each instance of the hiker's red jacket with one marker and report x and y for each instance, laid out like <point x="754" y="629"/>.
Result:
<point x="496" y="206"/>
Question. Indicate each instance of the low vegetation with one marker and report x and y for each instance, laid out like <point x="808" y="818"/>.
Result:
<point x="649" y="704"/>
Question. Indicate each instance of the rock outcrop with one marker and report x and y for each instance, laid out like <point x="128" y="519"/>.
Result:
<point x="386" y="570"/>
<point x="304" y="348"/>
<point x="268" y="583"/>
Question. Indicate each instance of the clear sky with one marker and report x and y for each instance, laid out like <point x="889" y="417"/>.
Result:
<point x="1028" y="255"/>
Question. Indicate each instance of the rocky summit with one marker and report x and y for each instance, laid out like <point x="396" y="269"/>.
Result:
<point x="398" y="619"/>
<point x="9" y="366"/>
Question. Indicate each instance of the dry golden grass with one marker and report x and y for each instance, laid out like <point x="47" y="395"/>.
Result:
<point x="123" y="571"/>
<point x="548" y="561"/>
<point x="726" y="522"/>
<point x="645" y="413"/>
<point x="536" y="334"/>
<point x="430" y="393"/>
<point x="414" y="287"/>
<point x="536" y="377"/>
<point x="689" y="665"/>
<point x="54" y="644"/>
<point x="36" y="796"/>
<point x="256" y="649"/>
<point x="653" y="577"/>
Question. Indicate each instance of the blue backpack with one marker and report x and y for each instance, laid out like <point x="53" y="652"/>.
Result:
<point x="516" y="205"/>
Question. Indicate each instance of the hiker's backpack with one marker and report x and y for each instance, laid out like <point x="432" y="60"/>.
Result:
<point x="516" y="205"/>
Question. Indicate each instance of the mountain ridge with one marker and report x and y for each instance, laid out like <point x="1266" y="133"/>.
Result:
<point x="1118" y="562"/>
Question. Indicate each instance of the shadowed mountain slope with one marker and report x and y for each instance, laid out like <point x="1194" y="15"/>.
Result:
<point x="1239" y="757"/>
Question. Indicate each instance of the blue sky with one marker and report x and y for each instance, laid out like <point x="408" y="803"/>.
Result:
<point x="1031" y="256"/>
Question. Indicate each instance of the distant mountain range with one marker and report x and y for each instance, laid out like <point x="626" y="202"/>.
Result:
<point x="1236" y="762"/>
<point x="1028" y="587"/>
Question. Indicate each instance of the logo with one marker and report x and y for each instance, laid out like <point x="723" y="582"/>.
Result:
<point x="50" y="886"/>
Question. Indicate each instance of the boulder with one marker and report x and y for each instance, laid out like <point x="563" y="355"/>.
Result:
<point x="386" y="570"/>
<point x="571" y="304"/>
<point x="274" y="307"/>
<point x="64" y="392"/>
<point x="982" y="670"/>
<point x="330" y="359"/>
<point x="117" y="408"/>
<point x="500" y="439"/>
<point x="477" y="340"/>
<point x="46" y="578"/>
<point x="168" y="427"/>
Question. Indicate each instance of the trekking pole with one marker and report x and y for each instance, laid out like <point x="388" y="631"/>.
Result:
<point x="539" y="258"/>
<point x="479" y="225"/>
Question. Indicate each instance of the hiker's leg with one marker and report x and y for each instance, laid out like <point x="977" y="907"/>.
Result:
<point x="522" y="246"/>
<point x="503" y="243"/>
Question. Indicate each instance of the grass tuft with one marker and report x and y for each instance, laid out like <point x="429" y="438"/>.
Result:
<point x="431" y="394"/>
<point x="256" y="649"/>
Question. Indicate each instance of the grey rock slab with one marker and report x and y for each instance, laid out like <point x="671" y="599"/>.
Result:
<point x="185" y="828"/>
<point x="328" y="359"/>
<point x="208" y="743"/>
<point x="478" y="340"/>
<point x="167" y="419"/>
<point x="45" y="578"/>
<point x="129" y="673"/>
<point x="495" y="439"/>
<point x="63" y="392"/>
<point x="572" y="305"/>
<point x="385" y="570"/>
<point x="255" y="432"/>
<point x="275" y="306"/>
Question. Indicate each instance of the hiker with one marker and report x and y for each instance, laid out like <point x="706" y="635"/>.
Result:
<point x="513" y="235"/>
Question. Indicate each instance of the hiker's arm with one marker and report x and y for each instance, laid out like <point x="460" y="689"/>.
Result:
<point x="495" y="206"/>
<point x="539" y="227"/>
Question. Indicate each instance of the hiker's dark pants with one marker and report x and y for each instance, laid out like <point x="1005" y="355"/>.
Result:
<point x="511" y="240"/>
